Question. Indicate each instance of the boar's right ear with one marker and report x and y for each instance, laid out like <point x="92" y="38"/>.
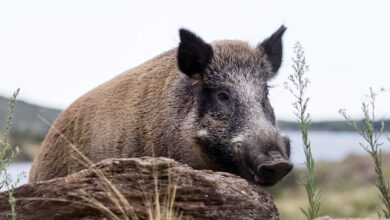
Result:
<point x="193" y="55"/>
<point x="273" y="48"/>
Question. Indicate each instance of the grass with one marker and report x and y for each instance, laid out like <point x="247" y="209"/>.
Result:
<point x="156" y="209"/>
<point x="357" y="202"/>
<point x="349" y="189"/>
<point x="371" y="135"/>
<point x="7" y="154"/>
<point x="297" y="86"/>
<point x="164" y="210"/>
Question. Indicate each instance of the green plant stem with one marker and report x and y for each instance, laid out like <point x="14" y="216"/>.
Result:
<point x="371" y="136"/>
<point x="297" y="87"/>
<point x="7" y="154"/>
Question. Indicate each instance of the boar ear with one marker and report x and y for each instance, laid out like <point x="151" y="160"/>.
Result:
<point x="272" y="46"/>
<point x="193" y="54"/>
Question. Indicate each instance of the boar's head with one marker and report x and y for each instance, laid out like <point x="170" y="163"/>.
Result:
<point x="234" y="122"/>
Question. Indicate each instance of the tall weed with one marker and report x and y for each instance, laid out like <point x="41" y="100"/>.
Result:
<point x="7" y="154"/>
<point x="297" y="85"/>
<point x="371" y="135"/>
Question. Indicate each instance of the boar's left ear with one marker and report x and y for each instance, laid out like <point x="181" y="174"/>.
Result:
<point x="272" y="46"/>
<point x="193" y="55"/>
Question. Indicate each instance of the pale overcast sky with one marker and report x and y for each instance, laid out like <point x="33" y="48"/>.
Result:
<point x="55" y="51"/>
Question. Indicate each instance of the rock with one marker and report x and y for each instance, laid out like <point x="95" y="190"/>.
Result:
<point x="200" y="194"/>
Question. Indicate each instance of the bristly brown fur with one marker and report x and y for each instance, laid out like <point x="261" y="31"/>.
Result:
<point x="127" y="116"/>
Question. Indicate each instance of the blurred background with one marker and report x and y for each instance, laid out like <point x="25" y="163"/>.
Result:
<point x="56" y="51"/>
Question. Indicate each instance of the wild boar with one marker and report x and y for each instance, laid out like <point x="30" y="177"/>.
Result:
<point x="205" y="105"/>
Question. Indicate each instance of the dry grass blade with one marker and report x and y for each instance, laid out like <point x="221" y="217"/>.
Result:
<point x="161" y="210"/>
<point x="87" y="202"/>
<point x="98" y="205"/>
<point x="155" y="209"/>
<point x="118" y="198"/>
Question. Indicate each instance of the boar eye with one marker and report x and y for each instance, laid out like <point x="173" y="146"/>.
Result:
<point x="223" y="96"/>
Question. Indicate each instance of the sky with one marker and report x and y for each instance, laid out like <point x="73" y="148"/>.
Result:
<point x="56" y="51"/>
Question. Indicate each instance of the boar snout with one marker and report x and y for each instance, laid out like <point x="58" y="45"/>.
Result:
<point x="267" y="168"/>
<point x="271" y="172"/>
